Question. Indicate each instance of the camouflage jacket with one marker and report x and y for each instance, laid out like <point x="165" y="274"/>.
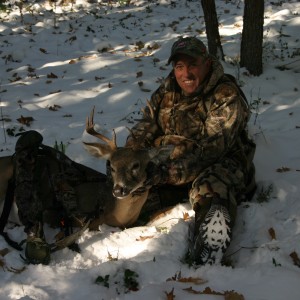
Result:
<point x="204" y="128"/>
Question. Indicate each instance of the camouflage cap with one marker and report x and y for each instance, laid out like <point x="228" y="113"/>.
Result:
<point x="190" y="46"/>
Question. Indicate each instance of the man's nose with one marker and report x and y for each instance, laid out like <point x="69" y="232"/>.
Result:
<point x="186" y="71"/>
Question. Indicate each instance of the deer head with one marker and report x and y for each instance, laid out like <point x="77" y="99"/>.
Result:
<point x="128" y="166"/>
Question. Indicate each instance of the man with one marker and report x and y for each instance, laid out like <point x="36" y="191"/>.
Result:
<point x="204" y="114"/>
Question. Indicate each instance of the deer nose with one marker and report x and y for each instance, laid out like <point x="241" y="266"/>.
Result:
<point x="120" y="191"/>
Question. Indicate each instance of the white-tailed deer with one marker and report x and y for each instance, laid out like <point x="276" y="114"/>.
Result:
<point x="128" y="172"/>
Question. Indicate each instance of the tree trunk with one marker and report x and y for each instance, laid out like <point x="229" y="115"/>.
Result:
<point x="212" y="28"/>
<point x="252" y="37"/>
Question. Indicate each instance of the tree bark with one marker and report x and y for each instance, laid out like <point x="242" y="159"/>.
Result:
<point x="252" y="37"/>
<point x="212" y="28"/>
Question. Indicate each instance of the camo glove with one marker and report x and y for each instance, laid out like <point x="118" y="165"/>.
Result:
<point x="156" y="174"/>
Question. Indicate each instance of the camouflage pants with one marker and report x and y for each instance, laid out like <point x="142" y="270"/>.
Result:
<point x="224" y="181"/>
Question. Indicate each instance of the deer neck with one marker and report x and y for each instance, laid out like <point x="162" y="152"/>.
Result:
<point x="124" y="212"/>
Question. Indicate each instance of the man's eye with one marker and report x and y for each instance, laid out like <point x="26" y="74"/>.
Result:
<point x="193" y="65"/>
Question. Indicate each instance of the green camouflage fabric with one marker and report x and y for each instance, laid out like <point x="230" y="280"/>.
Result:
<point x="50" y="187"/>
<point x="213" y="153"/>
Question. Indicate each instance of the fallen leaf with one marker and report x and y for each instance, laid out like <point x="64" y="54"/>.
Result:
<point x="206" y="291"/>
<point x="195" y="280"/>
<point x="55" y="92"/>
<point x="43" y="50"/>
<point x="192" y="291"/>
<point x="146" y="90"/>
<point x="175" y="277"/>
<point x="139" y="74"/>
<point x="232" y="295"/>
<point x="272" y="233"/>
<point x="4" y="251"/>
<point x="186" y="216"/>
<point x="295" y="259"/>
<point x="54" y="107"/>
<point x="143" y="238"/>
<point x="99" y="78"/>
<point x="170" y="295"/>
<point x="209" y="291"/>
<point x="51" y="75"/>
<point x="72" y="61"/>
<point x="283" y="169"/>
<point x="15" y="79"/>
<point x="25" y="120"/>
<point x="2" y="263"/>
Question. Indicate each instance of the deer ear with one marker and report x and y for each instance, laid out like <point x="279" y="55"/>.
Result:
<point x="99" y="150"/>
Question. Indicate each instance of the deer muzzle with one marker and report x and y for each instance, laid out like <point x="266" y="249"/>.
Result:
<point x="120" y="192"/>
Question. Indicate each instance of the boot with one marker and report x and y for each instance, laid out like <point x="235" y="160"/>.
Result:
<point x="212" y="234"/>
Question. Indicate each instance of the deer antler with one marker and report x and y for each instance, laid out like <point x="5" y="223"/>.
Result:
<point x="89" y="127"/>
<point x="150" y="109"/>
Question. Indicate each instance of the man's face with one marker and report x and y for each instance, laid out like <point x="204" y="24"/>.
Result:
<point x="190" y="72"/>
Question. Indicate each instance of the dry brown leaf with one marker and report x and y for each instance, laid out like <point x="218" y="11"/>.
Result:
<point x="55" y="92"/>
<point x="209" y="291"/>
<point x="25" y="120"/>
<point x="195" y="280"/>
<point x="232" y="295"/>
<point x="72" y="61"/>
<point x="272" y="233"/>
<point x="170" y="295"/>
<point x="2" y="263"/>
<point x="4" y="251"/>
<point x="43" y="50"/>
<point x="146" y="90"/>
<point x="192" y="291"/>
<point x="206" y="291"/>
<point x="160" y="214"/>
<point x="51" y="75"/>
<point x="54" y="107"/>
<point x="175" y="277"/>
<point x="295" y="258"/>
<point x="139" y="74"/>
<point x="186" y="216"/>
<point x="17" y="78"/>
<point x="143" y="238"/>
<point x="283" y="169"/>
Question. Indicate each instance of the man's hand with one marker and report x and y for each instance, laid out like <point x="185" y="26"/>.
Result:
<point x="156" y="174"/>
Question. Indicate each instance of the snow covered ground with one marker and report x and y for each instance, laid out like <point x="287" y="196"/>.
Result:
<point x="57" y="62"/>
